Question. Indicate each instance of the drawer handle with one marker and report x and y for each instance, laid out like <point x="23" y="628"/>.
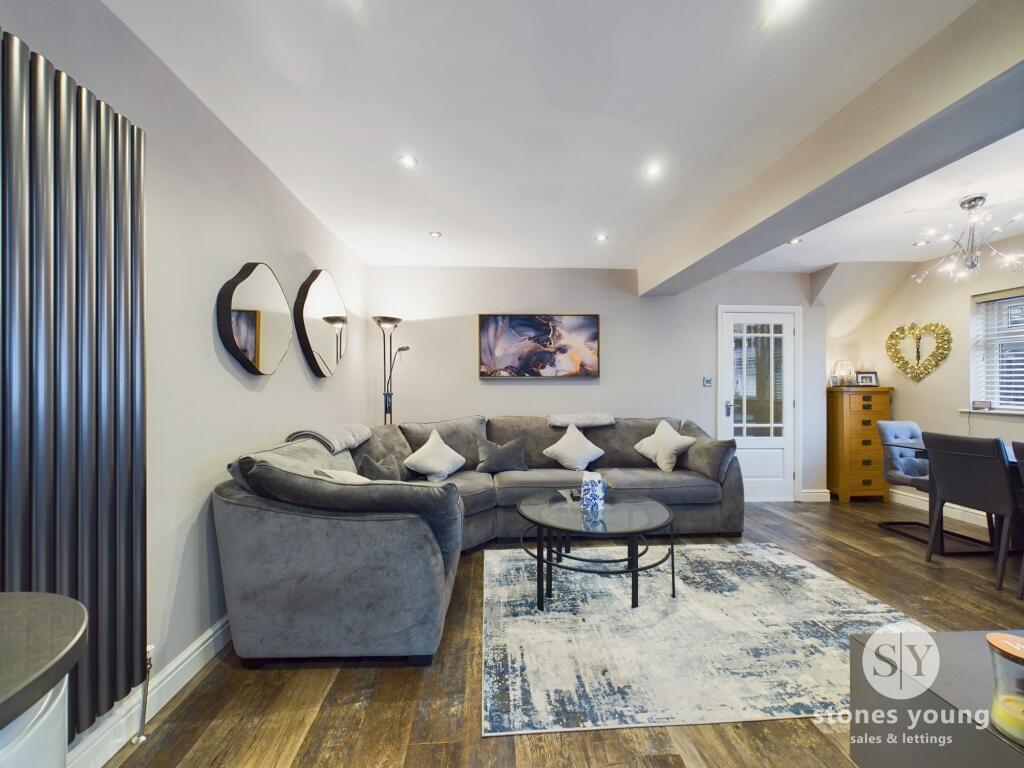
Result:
<point x="865" y="462"/>
<point x="865" y="482"/>
<point x="865" y="422"/>
<point x="867" y="407"/>
<point x="866" y="398"/>
<point x="865" y="442"/>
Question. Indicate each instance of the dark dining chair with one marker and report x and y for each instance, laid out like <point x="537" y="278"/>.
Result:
<point x="1018" y="453"/>
<point x="974" y="472"/>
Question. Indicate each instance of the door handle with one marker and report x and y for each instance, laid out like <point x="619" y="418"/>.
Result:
<point x="728" y="409"/>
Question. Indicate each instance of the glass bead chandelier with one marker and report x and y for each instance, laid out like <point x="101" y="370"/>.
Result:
<point x="964" y="257"/>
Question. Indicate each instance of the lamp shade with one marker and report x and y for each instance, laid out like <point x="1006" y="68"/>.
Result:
<point x="387" y="322"/>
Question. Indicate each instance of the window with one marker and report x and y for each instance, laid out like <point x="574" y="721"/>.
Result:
<point x="997" y="349"/>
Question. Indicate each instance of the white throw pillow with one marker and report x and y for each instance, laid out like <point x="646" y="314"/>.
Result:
<point x="664" y="446"/>
<point x="342" y="477"/>
<point x="435" y="459"/>
<point x="573" y="450"/>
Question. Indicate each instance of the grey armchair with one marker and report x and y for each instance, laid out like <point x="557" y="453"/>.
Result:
<point x="902" y="465"/>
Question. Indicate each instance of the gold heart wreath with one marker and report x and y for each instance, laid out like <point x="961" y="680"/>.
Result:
<point x="920" y="368"/>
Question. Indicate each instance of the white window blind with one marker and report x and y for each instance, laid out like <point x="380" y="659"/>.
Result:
<point x="997" y="349"/>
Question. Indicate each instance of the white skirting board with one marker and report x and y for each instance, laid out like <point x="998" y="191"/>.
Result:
<point x="913" y="498"/>
<point x="814" y="495"/>
<point x="94" y="747"/>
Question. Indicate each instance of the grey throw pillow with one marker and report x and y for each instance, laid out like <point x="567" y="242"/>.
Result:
<point x="382" y="468"/>
<point x="502" y="458"/>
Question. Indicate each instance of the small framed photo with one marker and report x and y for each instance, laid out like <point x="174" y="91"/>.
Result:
<point x="867" y="378"/>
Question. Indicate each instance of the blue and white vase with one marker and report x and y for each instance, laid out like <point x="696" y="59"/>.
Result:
<point x="592" y="494"/>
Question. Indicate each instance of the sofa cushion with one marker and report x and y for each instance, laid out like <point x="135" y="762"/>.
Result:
<point x="476" y="490"/>
<point x="300" y="456"/>
<point x="618" y="442"/>
<point x="383" y="468"/>
<point x="536" y="434"/>
<point x="707" y="456"/>
<point x="677" y="487"/>
<point x="435" y="459"/>
<point x="512" y="487"/>
<point x="501" y="458"/>
<point x="572" y="450"/>
<point x="387" y="440"/>
<point x="461" y="435"/>
<point x="664" y="446"/>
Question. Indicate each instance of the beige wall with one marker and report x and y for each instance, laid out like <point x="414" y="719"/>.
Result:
<point x="654" y="350"/>
<point x="936" y="401"/>
<point x="212" y="205"/>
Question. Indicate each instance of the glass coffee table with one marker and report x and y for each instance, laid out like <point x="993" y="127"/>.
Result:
<point x="556" y="519"/>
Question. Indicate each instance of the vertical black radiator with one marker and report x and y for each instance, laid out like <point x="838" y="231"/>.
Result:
<point x="72" y="365"/>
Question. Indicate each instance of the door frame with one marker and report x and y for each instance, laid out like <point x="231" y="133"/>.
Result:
<point x="798" y="353"/>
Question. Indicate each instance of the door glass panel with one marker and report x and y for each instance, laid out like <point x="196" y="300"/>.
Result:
<point x="737" y="377"/>
<point x="758" y="396"/>
<point x="778" y="412"/>
<point x="757" y="378"/>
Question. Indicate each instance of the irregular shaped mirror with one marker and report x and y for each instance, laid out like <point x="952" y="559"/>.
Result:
<point x="252" y="318"/>
<point x="321" y="322"/>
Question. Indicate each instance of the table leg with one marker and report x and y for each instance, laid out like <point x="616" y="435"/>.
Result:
<point x="540" y="568"/>
<point x="634" y="571"/>
<point x="559" y="546"/>
<point x="548" y="569"/>
<point x="672" y="543"/>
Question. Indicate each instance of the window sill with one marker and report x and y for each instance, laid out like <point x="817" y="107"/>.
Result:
<point x="993" y="411"/>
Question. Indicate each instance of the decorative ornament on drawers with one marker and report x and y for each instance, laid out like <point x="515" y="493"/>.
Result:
<point x="918" y="369"/>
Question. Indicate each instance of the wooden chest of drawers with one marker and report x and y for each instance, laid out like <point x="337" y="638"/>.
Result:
<point x="855" y="461"/>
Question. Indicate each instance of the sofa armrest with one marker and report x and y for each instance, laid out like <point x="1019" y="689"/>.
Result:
<point x="732" y="499"/>
<point x="304" y="582"/>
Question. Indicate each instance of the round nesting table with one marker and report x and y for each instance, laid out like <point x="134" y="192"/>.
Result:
<point x="556" y="518"/>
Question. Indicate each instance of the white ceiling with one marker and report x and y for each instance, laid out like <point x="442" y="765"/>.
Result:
<point x="532" y="119"/>
<point x="885" y="229"/>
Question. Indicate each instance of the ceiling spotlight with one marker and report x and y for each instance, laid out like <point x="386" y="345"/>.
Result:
<point x="654" y="170"/>
<point x="795" y="240"/>
<point x="921" y="243"/>
<point x="407" y="161"/>
<point x="434" y="234"/>
<point x="601" y="237"/>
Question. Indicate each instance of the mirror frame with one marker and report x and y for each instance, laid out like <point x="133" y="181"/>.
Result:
<point x="298" y="316"/>
<point x="227" y="336"/>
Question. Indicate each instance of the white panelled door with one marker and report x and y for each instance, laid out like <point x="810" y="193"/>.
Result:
<point x="756" y="405"/>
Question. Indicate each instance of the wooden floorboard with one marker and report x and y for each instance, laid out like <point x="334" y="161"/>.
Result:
<point x="357" y="714"/>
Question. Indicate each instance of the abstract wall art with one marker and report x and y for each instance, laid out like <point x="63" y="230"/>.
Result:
<point x="539" y="346"/>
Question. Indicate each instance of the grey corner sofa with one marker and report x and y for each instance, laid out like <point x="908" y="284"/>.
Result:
<point x="314" y="568"/>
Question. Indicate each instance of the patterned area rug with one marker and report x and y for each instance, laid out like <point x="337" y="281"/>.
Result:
<point x="755" y="633"/>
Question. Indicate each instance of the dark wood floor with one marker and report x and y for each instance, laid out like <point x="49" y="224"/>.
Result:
<point x="332" y="714"/>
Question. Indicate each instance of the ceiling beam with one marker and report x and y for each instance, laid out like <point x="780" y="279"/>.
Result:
<point x="959" y="92"/>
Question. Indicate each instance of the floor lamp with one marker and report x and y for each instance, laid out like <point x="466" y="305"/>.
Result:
<point x="387" y="327"/>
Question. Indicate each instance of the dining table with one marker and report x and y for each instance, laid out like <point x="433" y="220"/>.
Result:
<point x="950" y="542"/>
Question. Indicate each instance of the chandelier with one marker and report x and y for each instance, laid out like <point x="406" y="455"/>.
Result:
<point x="964" y="256"/>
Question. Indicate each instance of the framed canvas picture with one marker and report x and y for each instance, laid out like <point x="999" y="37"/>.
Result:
<point x="539" y="346"/>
